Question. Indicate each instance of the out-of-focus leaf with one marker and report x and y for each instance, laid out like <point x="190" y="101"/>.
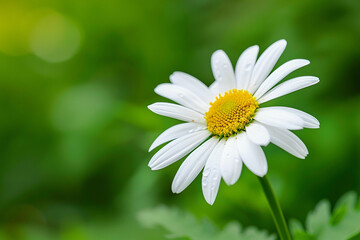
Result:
<point x="180" y="224"/>
<point x="295" y="226"/>
<point x="342" y="224"/>
<point x="319" y="218"/>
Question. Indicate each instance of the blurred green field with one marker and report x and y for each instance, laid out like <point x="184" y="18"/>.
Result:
<point x="75" y="80"/>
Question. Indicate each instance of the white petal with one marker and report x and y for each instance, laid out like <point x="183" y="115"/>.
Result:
<point x="288" y="141"/>
<point x="265" y="64"/>
<point x="258" y="134"/>
<point x="214" y="87"/>
<point x="279" y="118"/>
<point x="289" y="86"/>
<point x="223" y="71"/>
<point x="211" y="174"/>
<point x="309" y="121"/>
<point x="177" y="149"/>
<point x="244" y="67"/>
<point x="193" y="84"/>
<point x="230" y="164"/>
<point x="192" y="166"/>
<point x="176" y="132"/>
<point x="182" y="96"/>
<point x="177" y="112"/>
<point x="252" y="155"/>
<point x="279" y="74"/>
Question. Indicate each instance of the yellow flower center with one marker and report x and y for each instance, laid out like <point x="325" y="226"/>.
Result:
<point x="229" y="114"/>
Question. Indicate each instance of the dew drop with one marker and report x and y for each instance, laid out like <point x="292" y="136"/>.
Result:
<point x="248" y="67"/>
<point x="206" y="172"/>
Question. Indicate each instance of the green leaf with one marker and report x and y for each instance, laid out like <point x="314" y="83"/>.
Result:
<point x="343" y="224"/>
<point x="252" y="233"/>
<point x="180" y="224"/>
<point x="338" y="215"/>
<point x="295" y="226"/>
<point x="318" y="219"/>
<point x="348" y="200"/>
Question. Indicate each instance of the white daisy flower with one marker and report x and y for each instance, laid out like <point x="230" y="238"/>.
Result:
<point x="225" y="123"/>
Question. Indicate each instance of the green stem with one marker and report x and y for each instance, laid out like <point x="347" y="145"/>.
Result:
<point x="275" y="208"/>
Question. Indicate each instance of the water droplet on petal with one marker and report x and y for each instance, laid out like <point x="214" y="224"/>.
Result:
<point x="248" y="67"/>
<point x="206" y="172"/>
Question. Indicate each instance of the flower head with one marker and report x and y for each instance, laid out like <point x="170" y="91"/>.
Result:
<point x="225" y="123"/>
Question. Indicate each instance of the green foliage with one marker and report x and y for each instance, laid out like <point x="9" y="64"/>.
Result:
<point x="180" y="224"/>
<point x="75" y="130"/>
<point x="342" y="224"/>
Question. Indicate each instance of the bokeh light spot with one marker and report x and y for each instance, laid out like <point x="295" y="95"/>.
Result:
<point x="55" y="38"/>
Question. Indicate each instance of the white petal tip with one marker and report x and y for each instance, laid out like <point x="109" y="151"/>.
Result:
<point x="152" y="166"/>
<point x="261" y="174"/>
<point x="229" y="182"/>
<point x="301" y="155"/>
<point x="151" y="107"/>
<point x="210" y="201"/>
<point x="282" y="42"/>
<point x="265" y="143"/>
<point x="315" y="80"/>
<point x="156" y="89"/>
<point x="253" y="48"/>
<point x="175" y="188"/>
<point x="151" y="148"/>
<point x="219" y="51"/>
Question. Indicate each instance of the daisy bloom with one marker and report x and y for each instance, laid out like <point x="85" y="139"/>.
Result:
<point x="225" y="123"/>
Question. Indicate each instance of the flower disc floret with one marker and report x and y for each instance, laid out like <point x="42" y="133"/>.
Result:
<point x="231" y="113"/>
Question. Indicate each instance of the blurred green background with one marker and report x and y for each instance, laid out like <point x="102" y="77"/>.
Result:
<point x="75" y="80"/>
